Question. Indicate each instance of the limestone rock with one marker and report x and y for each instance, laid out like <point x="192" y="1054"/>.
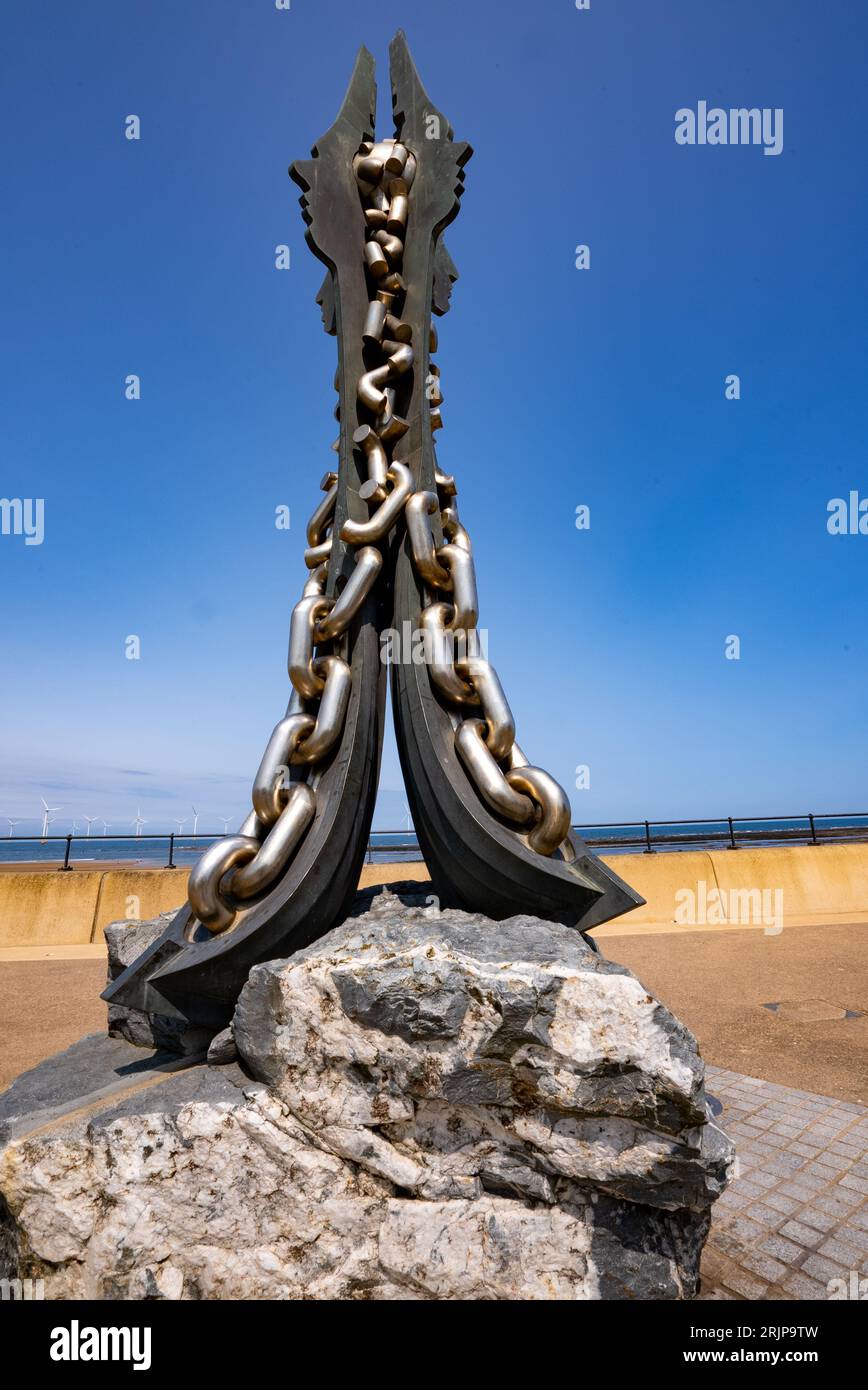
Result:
<point x="426" y="1105"/>
<point x="222" y="1049"/>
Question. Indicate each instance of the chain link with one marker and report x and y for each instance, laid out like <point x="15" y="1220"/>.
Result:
<point x="238" y="869"/>
<point x="528" y="798"/>
<point x="524" y="796"/>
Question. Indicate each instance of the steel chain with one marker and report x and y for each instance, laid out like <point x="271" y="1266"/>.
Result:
<point x="238" y="869"/>
<point x="524" y="796"/>
<point x="528" y="798"/>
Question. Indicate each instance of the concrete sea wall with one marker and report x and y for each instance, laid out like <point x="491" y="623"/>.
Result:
<point x="57" y="909"/>
<point x="815" y="884"/>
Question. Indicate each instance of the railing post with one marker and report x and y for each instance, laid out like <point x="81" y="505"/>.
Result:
<point x="648" y="849"/>
<point x="67" y="867"/>
<point x="813" y="830"/>
<point x="732" y="844"/>
<point x="171" y="863"/>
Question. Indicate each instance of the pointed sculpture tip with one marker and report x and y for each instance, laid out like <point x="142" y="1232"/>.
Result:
<point x="399" y="48"/>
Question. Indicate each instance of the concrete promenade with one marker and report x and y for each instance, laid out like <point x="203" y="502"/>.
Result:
<point x="794" y="1221"/>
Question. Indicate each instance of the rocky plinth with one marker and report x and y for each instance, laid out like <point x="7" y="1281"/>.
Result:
<point x="425" y="1105"/>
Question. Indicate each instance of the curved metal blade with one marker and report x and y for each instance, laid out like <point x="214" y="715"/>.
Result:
<point x="189" y="971"/>
<point x="475" y="861"/>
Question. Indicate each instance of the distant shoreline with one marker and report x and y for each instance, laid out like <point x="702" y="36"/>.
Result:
<point x="43" y="866"/>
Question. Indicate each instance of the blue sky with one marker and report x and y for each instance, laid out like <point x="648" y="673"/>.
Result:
<point x="602" y="387"/>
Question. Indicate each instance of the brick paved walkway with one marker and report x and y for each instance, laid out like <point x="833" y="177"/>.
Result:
<point x="796" y="1215"/>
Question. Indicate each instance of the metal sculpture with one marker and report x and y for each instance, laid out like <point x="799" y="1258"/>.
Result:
<point x="386" y="548"/>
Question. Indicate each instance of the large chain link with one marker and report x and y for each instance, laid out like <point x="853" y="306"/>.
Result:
<point x="527" y="798"/>
<point x="238" y="869"/>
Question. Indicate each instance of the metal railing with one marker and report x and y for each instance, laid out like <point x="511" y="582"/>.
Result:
<point x="732" y="832"/>
<point x="67" y="842"/>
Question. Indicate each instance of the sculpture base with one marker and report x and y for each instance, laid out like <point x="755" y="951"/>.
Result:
<point x="425" y="1105"/>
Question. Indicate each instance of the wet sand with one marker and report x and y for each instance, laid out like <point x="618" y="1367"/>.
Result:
<point x="53" y="866"/>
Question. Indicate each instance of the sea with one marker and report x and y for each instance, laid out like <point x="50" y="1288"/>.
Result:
<point x="394" y="846"/>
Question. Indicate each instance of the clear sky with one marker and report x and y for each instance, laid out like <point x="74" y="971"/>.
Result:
<point x="603" y="387"/>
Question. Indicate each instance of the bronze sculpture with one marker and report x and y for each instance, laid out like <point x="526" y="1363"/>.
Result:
<point x="385" y="547"/>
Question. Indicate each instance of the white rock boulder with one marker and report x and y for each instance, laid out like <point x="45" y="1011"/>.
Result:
<point x="426" y="1105"/>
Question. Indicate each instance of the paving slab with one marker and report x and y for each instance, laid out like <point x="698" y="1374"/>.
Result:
<point x="789" y="1225"/>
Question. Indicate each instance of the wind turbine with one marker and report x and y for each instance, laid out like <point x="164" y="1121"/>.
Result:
<point x="90" y="820"/>
<point x="225" y="820"/>
<point x="12" y="825"/>
<point x="75" y="827"/>
<point x="180" y="824"/>
<point x="195" y="821"/>
<point x="105" y="826"/>
<point x="409" y="818"/>
<point x="47" y="817"/>
<point x="138" y="822"/>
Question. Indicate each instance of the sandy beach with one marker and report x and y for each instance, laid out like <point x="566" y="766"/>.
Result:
<point x="53" y="866"/>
